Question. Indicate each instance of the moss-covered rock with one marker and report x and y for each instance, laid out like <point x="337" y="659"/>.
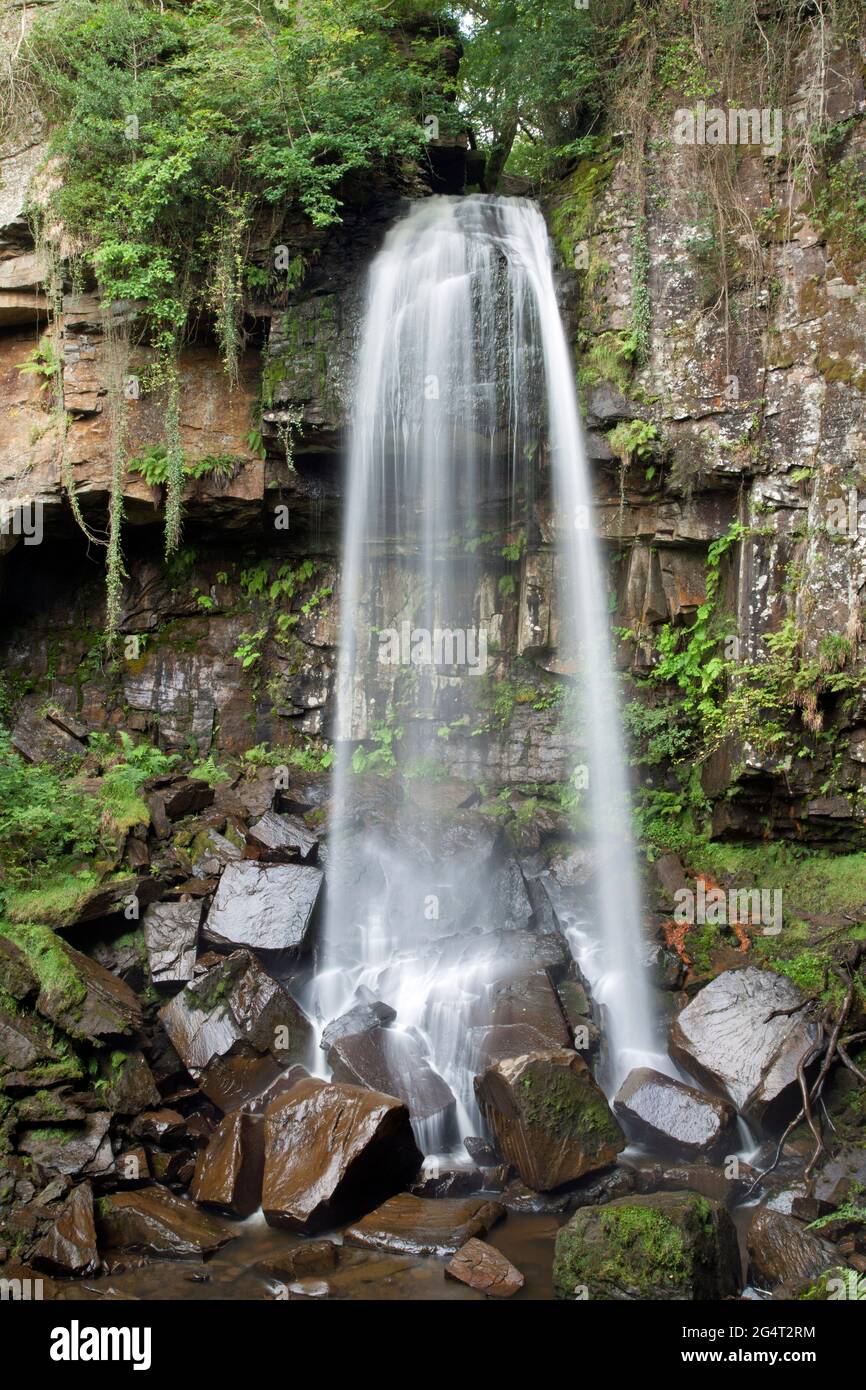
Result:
<point x="663" y="1247"/>
<point x="549" y="1117"/>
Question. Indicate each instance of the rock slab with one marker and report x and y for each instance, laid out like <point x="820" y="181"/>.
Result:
<point x="548" y="1117"/>
<point x="663" y="1111"/>
<point x="332" y="1152"/>
<point x="481" y="1267"/>
<point x="410" y="1225"/>
<point x="740" y="1037"/>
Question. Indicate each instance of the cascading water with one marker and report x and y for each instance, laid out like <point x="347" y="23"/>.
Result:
<point x="464" y="380"/>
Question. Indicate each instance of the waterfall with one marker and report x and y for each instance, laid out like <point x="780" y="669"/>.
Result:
<point x="464" y="383"/>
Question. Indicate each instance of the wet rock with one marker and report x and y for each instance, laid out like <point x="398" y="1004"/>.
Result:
<point x="16" y="977"/>
<point x="480" y="1267"/>
<point x="165" y="1126"/>
<point x="332" y="1152"/>
<point x="71" y="1149"/>
<point x="235" y="1003"/>
<point x="39" y="739"/>
<point x="156" y="1222"/>
<point x="363" y="1018"/>
<point x="739" y="1036"/>
<point x="548" y="1117"/>
<point x="48" y="1107"/>
<point x="245" y="1081"/>
<point x="301" y="1262"/>
<point x="228" y="1173"/>
<point x="782" y="1250"/>
<point x="838" y="1178"/>
<point x="706" y="1178"/>
<point x="265" y="906"/>
<point x="481" y="1151"/>
<point x="184" y="796"/>
<point x="69" y="1247"/>
<point x="131" y="1166"/>
<point x="171" y="936"/>
<point x="670" y="1246"/>
<point x="131" y="1085"/>
<point x="511" y="954"/>
<point x="528" y="1000"/>
<point x="280" y="838"/>
<point x="82" y="997"/>
<point x="435" y="1181"/>
<point x="22" y="1043"/>
<point x="660" y="1110"/>
<point x="489" y="1045"/>
<point x="410" y="1225"/>
<point x="394" y="1064"/>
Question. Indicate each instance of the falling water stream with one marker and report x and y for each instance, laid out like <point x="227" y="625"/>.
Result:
<point x="465" y="381"/>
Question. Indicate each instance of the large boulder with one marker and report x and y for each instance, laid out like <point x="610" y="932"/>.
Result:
<point x="744" y="1035"/>
<point x="277" y="838"/>
<point x="410" y="1225"/>
<point x="233" y="1005"/>
<point x="668" y="1246"/>
<point x="268" y="907"/>
<point x="361" y="1018"/>
<point x="392" y="1062"/>
<point x="526" y="999"/>
<point x="70" y="1149"/>
<point x="548" y="1116"/>
<point x="228" y="1173"/>
<point x="663" y="1111"/>
<point x="171" y="937"/>
<point x="333" y="1152"/>
<point x="153" y="1221"/>
<point x="69" y="1247"/>
<point x="75" y="992"/>
<point x="783" y="1251"/>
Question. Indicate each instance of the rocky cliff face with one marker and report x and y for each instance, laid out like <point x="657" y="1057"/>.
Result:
<point x="750" y="393"/>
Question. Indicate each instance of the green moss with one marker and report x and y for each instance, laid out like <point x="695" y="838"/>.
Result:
<point x="564" y="1104"/>
<point x="49" y="961"/>
<point x="571" y="216"/>
<point x="56" y="901"/>
<point x="630" y="1248"/>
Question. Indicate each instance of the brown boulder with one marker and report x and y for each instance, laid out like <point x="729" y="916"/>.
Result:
<point x="70" y="1245"/>
<point x="548" y="1117"/>
<point x="424" y="1225"/>
<point x="393" y="1063"/>
<point x="235" y="1005"/>
<point x="157" y="1222"/>
<point x="782" y="1250"/>
<point x="661" y="1110"/>
<point x="482" y="1267"/>
<point x="332" y="1152"/>
<point x="228" y="1173"/>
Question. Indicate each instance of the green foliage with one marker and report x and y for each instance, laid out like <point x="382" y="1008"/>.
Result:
<point x="533" y="78"/>
<point x="125" y="773"/>
<point x="249" y="649"/>
<point x="155" y="466"/>
<point x="42" y="361"/>
<point x="380" y="758"/>
<point x="633" y="439"/>
<point x="43" y="817"/>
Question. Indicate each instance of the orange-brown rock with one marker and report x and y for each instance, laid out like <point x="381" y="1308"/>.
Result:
<point x="410" y="1225"/>
<point x="481" y="1267"/>
<point x="333" y="1152"/>
<point x="549" y="1117"/>
<point x="228" y="1173"/>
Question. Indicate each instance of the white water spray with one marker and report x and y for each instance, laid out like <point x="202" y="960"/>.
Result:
<point x="464" y="371"/>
